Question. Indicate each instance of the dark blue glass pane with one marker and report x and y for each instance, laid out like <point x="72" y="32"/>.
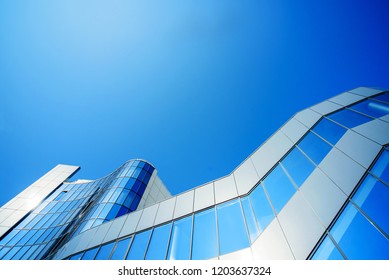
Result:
<point x="373" y="197"/>
<point x="123" y="210"/>
<point x="77" y="257"/>
<point x="349" y="118"/>
<point x="314" y="147"/>
<point x="114" y="210"/>
<point x="279" y="187"/>
<point x="122" y="197"/>
<point x="231" y="227"/>
<point x="382" y="97"/>
<point x="358" y="238"/>
<point x="135" y="203"/>
<point x="179" y="247"/>
<point x="158" y="244"/>
<point x="204" y="235"/>
<point x="329" y="130"/>
<point x="261" y="207"/>
<point x="138" y="246"/>
<point x="298" y="166"/>
<point x="129" y="199"/>
<point x="327" y="251"/>
<point x="121" y="248"/>
<point x="105" y="251"/>
<point x="372" y="108"/>
<point x="90" y="254"/>
<point x="381" y="167"/>
<point x="250" y="219"/>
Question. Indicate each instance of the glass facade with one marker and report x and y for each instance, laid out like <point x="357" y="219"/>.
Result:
<point x="223" y="228"/>
<point x="74" y="208"/>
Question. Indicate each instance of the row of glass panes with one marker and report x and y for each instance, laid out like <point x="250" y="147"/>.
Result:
<point x="362" y="229"/>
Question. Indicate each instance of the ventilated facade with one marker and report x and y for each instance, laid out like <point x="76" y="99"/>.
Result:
<point x="318" y="188"/>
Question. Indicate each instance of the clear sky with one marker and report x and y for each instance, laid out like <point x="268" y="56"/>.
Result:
<point x="194" y="87"/>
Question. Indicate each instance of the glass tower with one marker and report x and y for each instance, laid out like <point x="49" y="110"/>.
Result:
<point x="318" y="188"/>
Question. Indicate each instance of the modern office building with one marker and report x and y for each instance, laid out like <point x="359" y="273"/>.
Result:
<point x="318" y="188"/>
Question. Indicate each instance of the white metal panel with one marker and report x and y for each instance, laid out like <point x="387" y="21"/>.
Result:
<point x="326" y="107"/>
<point x="294" y="130"/>
<point x="244" y="254"/>
<point x="271" y="244"/>
<point x="385" y="118"/>
<point x="131" y="223"/>
<point x="245" y="177"/>
<point x="148" y="217"/>
<point x="204" y="197"/>
<point x="114" y="230"/>
<point x="301" y="226"/>
<point x="365" y="91"/>
<point x="225" y="189"/>
<point x="342" y="170"/>
<point x="184" y="204"/>
<point x="358" y="147"/>
<point x="270" y="153"/>
<point x="346" y="98"/>
<point x="307" y="117"/>
<point x="375" y="130"/>
<point x="323" y="195"/>
<point x="98" y="238"/>
<point x="165" y="211"/>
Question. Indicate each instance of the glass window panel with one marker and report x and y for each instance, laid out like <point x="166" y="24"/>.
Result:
<point x="372" y="108"/>
<point x="159" y="242"/>
<point x="11" y="253"/>
<point x="29" y="234"/>
<point x="329" y="130"/>
<point x="204" y="235"/>
<point x="314" y="147"/>
<point x="298" y="166"/>
<point x="17" y="237"/>
<point x="36" y="236"/>
<point x="129" y="199"/>
<point x="123" y="210"/>
<point x="349" y="118"/>
<point x="261" y="207"/>
<point x="105" y="210"/>
<point x="77" y="257"/>
<point x="121" y="248"/>
<point x="21" y="252"/>
<point x="114" y="210"/>
<point x="28" y="254"/>
<point x="122" y="197"/>
<point x="98" y="211"/>
<point x="358" y="238"/>
<point x="250" y="219"/>
<point x="135" y="203"/>
<point x="90" y="254"/>
<point x="180" y="240"/>
<point x="105" y="251"/>
<point x="115" y="195"/>
<point x="231" y="227"/>
<point x="60" y="195"/>
<point x="279" y="187"/>
<point x="382" y="97"/>
<point x="139" y="245"/>
<point x="327" y="251"/>
<point x="373" y="197"/>
<point x="8" y="237"/>
<point x="4" y="251"/>
<point x="381" y="167"/>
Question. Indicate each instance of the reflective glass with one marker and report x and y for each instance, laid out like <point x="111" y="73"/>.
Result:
<point x="372" y="108"/>
<point x="349" y="118"/>
<point x="373" y="196"/>
<point x="4" y="251"/>
<point x="90" y="254"/>
<point x="381" y="167"/>
<point x="11" y="253"/>
<point x="327" y="251"/>
<point x="158" y="243"/>
<point x="105" y="251"/>
<point x="21" y="252"/>
<point x="121" y="248"/>
<point x="279" y="188"/>
<point x="8" y="237"/>
<point x="113" y="212"/>
<point x="358" y="238"/>
<point x="250" y="219"/>
<point x="231" y="227"/>
<point x="139" y="245"/>
<point x="298" y="166"/>
<point x="77" y="257"/>
<point x="382" y="97"/>
<point x="180" y="240"/>
<point x="204" y="235"/>
<point x="261" y="207"/>
<point x="329" y="130"/>
<point x="314" y="147"/>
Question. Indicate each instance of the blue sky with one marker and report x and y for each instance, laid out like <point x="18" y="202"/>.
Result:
<point x="191" y="86"/>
